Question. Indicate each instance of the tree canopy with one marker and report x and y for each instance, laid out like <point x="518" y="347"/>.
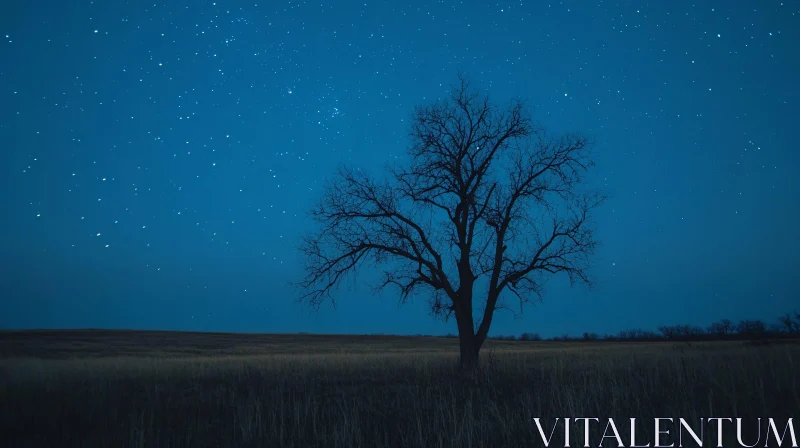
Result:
<point x="486" y="194"/>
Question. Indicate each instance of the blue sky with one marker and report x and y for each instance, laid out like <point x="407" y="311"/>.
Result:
<point x="160" y="160"/>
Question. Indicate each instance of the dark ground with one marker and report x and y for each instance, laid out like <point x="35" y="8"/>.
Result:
<point x="142" y="388"/>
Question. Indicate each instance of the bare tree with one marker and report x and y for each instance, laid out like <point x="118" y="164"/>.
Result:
<point x="751" y="327"/>
<point x="488" y="207"/>
<point x="790" y="324"/>
<point x="722" y="328"/>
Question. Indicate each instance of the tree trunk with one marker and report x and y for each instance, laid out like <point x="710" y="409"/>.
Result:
<point x="468" y="351"/>
<point x="467" y="341"/>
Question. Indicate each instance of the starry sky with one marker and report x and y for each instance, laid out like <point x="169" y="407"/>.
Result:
<point x="160" y="158"/>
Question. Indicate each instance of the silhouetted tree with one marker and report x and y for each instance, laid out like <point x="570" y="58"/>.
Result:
<point x="637" y="335"/>
<point x="751" y="328"/>
<point x="530" y="337"/>
<point x="723" y="327"/>
<point x="669" y="331"/>
<point x="504" y="337"/>
<point x="681" y="332"/>
<point x="590" y="336"/>
<point x="486" y="195"/>
<point x="791" y="324"/>
<point x="776" y="329"/>
<point x="691" y="331"/>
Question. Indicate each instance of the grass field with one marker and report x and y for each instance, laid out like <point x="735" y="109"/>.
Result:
<point x="164" y="389"/>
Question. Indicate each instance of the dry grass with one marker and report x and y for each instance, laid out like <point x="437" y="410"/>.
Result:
<point x="170" y="389"/>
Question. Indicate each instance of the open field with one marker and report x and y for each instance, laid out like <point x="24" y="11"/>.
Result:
<point x="155" y="389"/>
<point x="58" y="344"/>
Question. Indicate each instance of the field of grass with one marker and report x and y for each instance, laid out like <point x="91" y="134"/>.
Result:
<point x="163" y="389"/>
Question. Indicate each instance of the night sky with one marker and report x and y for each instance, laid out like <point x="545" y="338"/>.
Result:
<point x="159" y="161"/>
